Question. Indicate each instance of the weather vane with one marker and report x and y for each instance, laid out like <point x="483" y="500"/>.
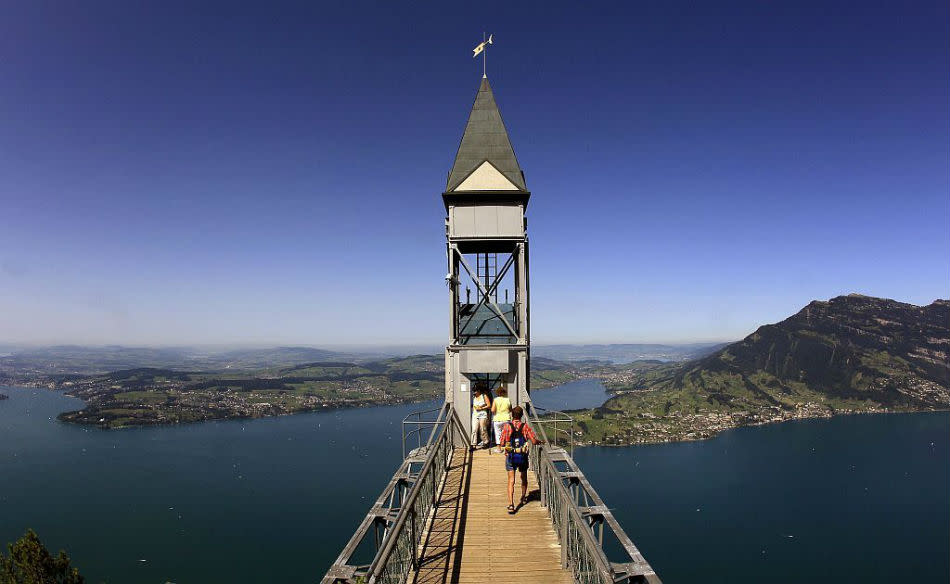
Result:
<point x="483" y="49"/>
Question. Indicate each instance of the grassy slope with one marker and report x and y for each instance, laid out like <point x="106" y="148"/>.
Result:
<point x="850" y="354"/>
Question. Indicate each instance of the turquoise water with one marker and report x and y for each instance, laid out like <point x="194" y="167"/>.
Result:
<point x="863" y="497"/>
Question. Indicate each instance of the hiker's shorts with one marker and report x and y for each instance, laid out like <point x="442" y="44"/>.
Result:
<point x="509" y="466"/>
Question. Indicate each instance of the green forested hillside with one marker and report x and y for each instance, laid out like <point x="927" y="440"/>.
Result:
<point x="850" y="354"/>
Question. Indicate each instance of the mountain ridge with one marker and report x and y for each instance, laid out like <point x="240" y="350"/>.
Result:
<point x="849" y="354"/>
<point x="837" y="345"/>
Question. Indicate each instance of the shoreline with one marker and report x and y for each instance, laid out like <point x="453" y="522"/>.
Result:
<point x="718" y="431"/>
<point x="326" y="407"/>
<point x="211" y="418"/>
<point x="320" y="408"/>
<point x="95" y="418"/>
<point x="727" y="422"/>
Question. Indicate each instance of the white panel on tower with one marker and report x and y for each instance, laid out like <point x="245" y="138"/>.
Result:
<point x="462" y="222"/>
<point x="485" y="361"/>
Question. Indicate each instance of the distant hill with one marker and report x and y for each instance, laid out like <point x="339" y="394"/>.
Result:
<point x="79" y="359"/>
<point x="95" y="360"/>
<point x="275" y="357"/>
<point x="624" y="353"/>
<point x="849" y="354"/>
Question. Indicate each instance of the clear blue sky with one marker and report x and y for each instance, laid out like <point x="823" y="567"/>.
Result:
<point x="272" y="173"/>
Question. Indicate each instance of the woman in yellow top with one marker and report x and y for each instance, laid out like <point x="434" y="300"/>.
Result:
<point x="501" y="412"/>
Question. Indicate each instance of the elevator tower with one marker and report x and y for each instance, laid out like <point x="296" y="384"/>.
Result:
<point x="487" y="250"/>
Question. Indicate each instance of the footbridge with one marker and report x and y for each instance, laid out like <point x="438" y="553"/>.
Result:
<point x="443" y="516"/>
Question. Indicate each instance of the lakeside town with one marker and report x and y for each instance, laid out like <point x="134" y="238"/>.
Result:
<point x="648" y="428"/>
<point x="146" y="396"/>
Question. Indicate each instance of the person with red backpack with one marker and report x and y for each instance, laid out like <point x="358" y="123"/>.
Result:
<point x="516" y="439"/>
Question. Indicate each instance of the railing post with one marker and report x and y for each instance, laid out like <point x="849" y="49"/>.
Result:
<point x="572" y="437"/>
<point x="542" y="475"/>
<point x="563" y="536"/>
<point x="412" y="538"/>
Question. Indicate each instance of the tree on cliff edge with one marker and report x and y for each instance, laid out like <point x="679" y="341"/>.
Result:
<point x="31" y="563"/>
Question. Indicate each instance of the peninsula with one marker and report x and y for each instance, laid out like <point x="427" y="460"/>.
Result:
<point x="235" y="386"/>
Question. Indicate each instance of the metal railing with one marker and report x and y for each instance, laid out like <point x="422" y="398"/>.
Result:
<point x="558" y="426"/>
<point x="398" y="517"/>
<point x="415" y="425"/>
<point x="580" y="516"/>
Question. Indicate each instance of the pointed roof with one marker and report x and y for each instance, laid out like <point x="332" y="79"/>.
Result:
<point x="485" y="138"/>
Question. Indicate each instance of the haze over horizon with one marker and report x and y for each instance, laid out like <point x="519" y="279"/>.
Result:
<point x="406" y="348"/>
<point x="232" y="175"/>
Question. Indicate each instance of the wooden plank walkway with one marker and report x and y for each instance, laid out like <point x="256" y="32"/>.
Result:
<point x="472" y="538"/>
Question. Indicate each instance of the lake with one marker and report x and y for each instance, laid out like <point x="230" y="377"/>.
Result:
<point x="845" y="499"/>
<point x="573" y="395"/>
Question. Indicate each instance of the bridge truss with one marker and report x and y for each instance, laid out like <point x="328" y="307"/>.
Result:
<point x="385" y="548"/>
